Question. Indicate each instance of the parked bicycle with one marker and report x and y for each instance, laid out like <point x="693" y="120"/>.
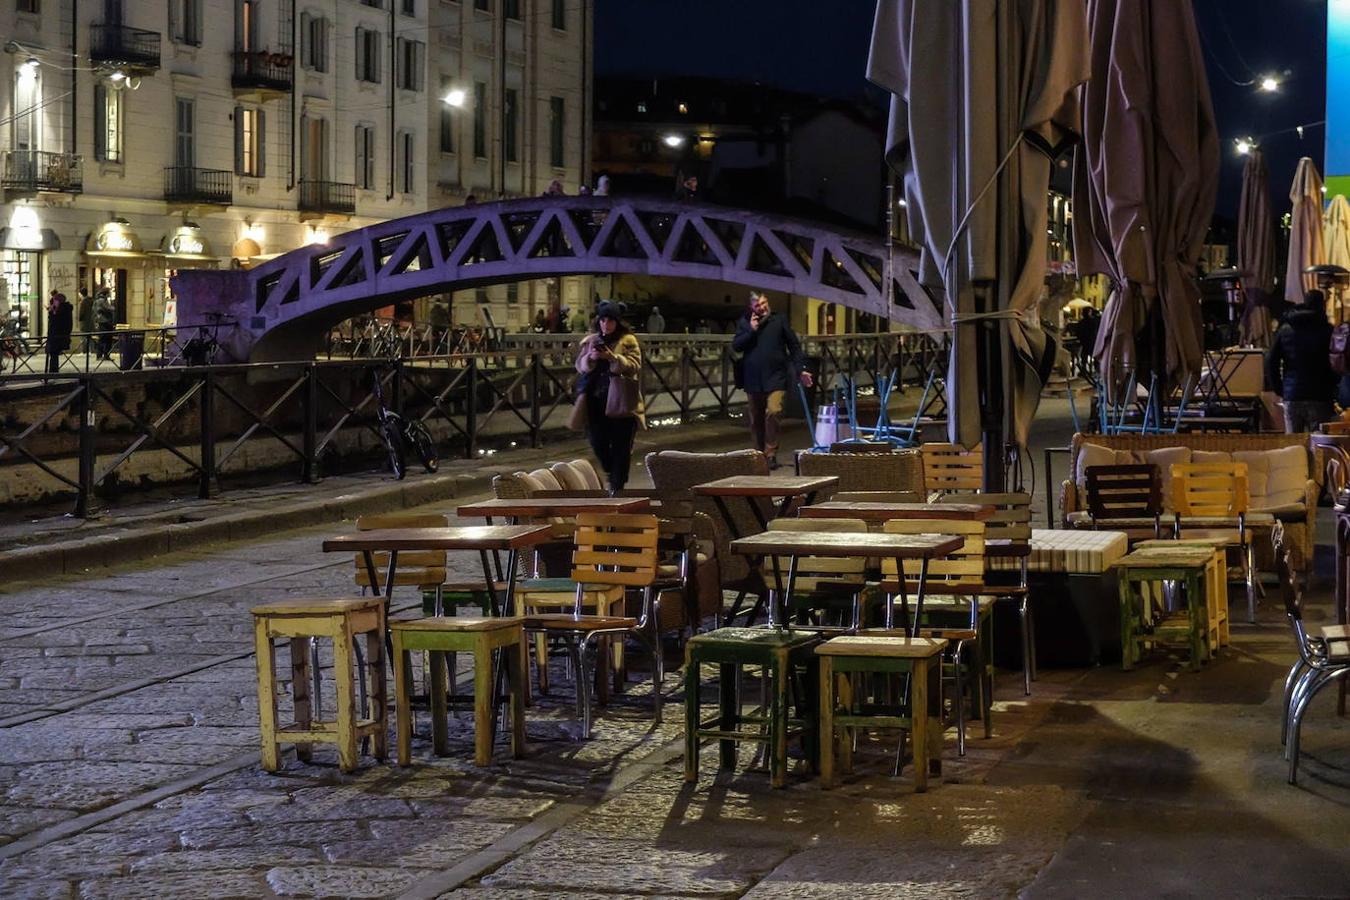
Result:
<point x="400" y="432"/>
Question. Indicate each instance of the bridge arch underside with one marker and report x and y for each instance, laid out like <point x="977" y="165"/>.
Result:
<point x="297" y="297"/>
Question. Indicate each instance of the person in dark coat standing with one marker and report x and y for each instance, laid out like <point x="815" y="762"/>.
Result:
<point x="105" y="319"/>
<point x="1298" y="365"/>
<point x="772" y="358"/>
<point x="84" y="313"/>
<point x="609" y="362"/>
<point x="60" y="323"/>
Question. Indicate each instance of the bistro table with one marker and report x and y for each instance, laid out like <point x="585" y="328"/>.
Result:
<point x="794" y="544"/>
<point x="539" y="507"/>
<point x="483" y="538"/>
<point x="872" y="511"/>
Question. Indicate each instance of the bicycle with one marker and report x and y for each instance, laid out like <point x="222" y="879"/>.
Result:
<point x="400" y="432"/>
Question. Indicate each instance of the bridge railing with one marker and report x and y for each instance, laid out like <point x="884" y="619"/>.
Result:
<point x="97" y="437"/>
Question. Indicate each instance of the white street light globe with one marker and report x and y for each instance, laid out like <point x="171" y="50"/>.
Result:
<point x="456" y="97"/>
<point x="1270" y="84"/>
<point x="1244" y="146"/>
<point x="673" y="140"/>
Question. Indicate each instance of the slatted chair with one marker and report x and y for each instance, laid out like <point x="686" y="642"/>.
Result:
<point x="956" y="608"/>
<point x="1125" y="498"/>
<point x="951" y="467"/>
<point x="612" y="553"/>
<point x="1323" y="655"/>
<point x="1216" y="495"/>
<point x="898" y="471"/>
<point x="423" y="568"/>
<point x="823" y="584"/>
<point x="1007" y="543"/>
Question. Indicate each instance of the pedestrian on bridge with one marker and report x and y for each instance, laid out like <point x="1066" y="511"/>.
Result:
<point x="610" y="364"/>
<point x="772" y="358"/>
<point x="60" y="323"/>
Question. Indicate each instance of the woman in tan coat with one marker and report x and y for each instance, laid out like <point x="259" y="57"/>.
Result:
<point x="610" y="363"/>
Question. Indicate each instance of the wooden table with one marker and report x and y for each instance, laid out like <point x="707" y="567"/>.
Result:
<point x="539" y="507"/>
<point x="873" y="511"/>
<point x="771" y="487"/>
<point x="482" y="538"/>
<point x="899" y="547"/>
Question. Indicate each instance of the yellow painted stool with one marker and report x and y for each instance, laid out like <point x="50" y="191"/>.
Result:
<point x="476" y="635"/>
<point x="342" y="621"/>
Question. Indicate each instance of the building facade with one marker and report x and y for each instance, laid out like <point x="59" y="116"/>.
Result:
<point x="140" y="138"/>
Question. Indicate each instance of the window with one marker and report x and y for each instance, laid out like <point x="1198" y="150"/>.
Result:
<point x="378" y="4"/>
<point x="484" y="5"/>
<point x="246" y="27"/>
<point x="314" y="42"/>
<point x="367" y="55"/>
<point x="185" y="21"/>
<point x="185" y="139"/>
<point x="409" y="7"/>
<point x="480" y="119"/>
<point x="511" y="8"/>
<point x="406" y="160"/>
<point x="557" y="158"/>
<point x="447" y="118"/>
<point x="365" y="157"/>
<point x="512" y="293"/>
<point x="29" y="6"/>
<point x="107" y="123"/>
<point x="410" y="59"/>
<point x="559" y="15"/>
<point x="509" y="112"/>
<point x="313" y="149"/>
<point x="248" y="141"/>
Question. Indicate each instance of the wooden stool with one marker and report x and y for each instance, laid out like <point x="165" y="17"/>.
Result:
<point x="1191" y="566"/>
<point x="302" y="621"/>
<point x="779" y="652"/>
<point x="460" y="634"/>
<point x="891" y="653"/>
<point x="1216" y="585"/>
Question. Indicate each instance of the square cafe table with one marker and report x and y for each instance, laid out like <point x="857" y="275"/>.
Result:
<point x="899" y="547"/>
<point x="786" y="487"/>
<point x="877" y="511"/>
<point x="483" y="538"/>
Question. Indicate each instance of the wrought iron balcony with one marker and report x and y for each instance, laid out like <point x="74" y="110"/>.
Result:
<point x="133" y="49"/>
<point x="188" y="184"/>
<point x="327" y="197"/>
<point x="31" y="171"/>
<point x="262" y="70"/>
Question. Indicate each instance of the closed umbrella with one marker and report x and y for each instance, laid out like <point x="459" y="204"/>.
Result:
<point x="1336" y="241"/>
<point x="1306" y="247"/>
<point x="1256" y="251"/>
<point x="983" y="98"/>
<point x="1145" y="183"/>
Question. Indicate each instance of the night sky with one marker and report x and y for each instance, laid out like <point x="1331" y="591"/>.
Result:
<point x="820" y="46"/>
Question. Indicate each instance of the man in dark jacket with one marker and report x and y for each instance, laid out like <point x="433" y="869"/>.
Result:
<point x="60" y="323"/>
<point x="1298" y="365"/>
<point x="772" y="356"/>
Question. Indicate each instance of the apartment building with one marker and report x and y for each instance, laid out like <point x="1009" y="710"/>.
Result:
<point x="139" y="138"/>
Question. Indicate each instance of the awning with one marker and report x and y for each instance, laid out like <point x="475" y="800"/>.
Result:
<point x="29" y="239"/>
<point x="115" y="239"/>
<point x="187" y="243"/>
<point x="245" y="248"/>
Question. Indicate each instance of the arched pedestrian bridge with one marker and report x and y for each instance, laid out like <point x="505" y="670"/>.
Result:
<point x="285" y="304"/>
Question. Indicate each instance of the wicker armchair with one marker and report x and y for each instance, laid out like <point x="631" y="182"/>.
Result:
<point x="899" y="471"/>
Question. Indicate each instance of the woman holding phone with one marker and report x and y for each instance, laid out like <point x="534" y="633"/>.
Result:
<point x="610" y="363"/>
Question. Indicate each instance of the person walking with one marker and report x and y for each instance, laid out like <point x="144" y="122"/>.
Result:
<point x="84" y="313"/>
<point x="105" y="317"/>
<point x="1298" y="365"/>
<point x="771" y="355"/>
<point x="610" y="363"/>
<point x="60" y="323"/>
<point x="656" y="323"/>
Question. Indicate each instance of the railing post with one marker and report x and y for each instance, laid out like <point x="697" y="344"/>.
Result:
<point x="208" y="426"/>
<point x="87" y="448"/>
<point x="536" y="360"/>
<point x="396" y="394"/>
<point x="684" y="385"/>
<point x="471" y="410"/>
<point x="724" y="399"/>
<point x="309" y="472"/>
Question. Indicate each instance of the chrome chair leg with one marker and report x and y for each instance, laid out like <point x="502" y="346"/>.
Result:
<point x="1290" y="681"/>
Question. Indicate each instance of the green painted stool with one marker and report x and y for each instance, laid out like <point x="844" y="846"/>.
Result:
<point x="1187" y="565"/>
<point x="781" y="654"/>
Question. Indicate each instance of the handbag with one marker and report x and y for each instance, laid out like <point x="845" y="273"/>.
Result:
<point x="622" y="399"/>
<point x="579" y="417"/>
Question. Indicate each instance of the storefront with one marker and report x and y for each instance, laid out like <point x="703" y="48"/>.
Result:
<point x="119" y="264"/>
<point x="24" y="244"/>
<point x="184" y="248"/>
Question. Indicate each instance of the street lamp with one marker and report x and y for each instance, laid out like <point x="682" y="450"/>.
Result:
<point x="456" y="97"/>
<point x="1244" y="146"/>
<point x="1270" y="84"/>
<point x="673" y="140"/>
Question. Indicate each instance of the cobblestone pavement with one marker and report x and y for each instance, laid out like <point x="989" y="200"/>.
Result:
<point x="128" y="768"/>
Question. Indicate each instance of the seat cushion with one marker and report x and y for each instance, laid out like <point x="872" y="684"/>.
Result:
<point x="547" y="480"/>
<point x="1288" y="475"/>
<point x="1164" y="458"/>
<point x="1089" y="455"/>
<point x="569" y="477"/>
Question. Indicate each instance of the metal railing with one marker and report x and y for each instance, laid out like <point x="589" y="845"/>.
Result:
<point x="132" y="47"/>
<point x="189" y="184"/>
<point x="263" y="69"/>
<point x="327" y="197"/>
<point x="42" y="170"/>
<point x="97" y="435"/>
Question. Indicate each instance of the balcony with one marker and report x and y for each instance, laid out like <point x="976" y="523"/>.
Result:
<point x="262" y="72"/>
<point x="327" y="198"/>
<point x="133" y="50"/>
<point x="34" y="171"/>
<point x="198" y="187"/>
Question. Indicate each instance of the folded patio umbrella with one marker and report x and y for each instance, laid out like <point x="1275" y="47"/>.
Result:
<point x="1256" y="250"/>
<point x="1145" y="183"/>
<point x="1336" y="242"/>
<point x="1306" y="247"/>
<point x="982" y="99"/>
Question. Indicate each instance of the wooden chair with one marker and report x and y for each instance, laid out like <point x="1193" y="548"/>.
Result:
<point x="1323" y="655"/>
<point x="957" y="608"/>
<point x="423" y="568"/>
<point x="1125" y="498"/>
<point x="951" y="467"/>
<point x="822" y="583"/>
<point x="1216" y="492"/>
<point x="613" y="553"/>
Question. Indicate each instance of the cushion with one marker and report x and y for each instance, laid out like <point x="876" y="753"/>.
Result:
<point x="1287" y="475"/>
<point x="1164" y="458"/>
<point x="569" y="477"/>
<point x="532" y="483"/>
<point x="1096" y="455"/>
<point x="1258" y="474"/>
<point x="588" y="474"/>
<point x="1211" y="456"/>
<point x="547" y="480"/>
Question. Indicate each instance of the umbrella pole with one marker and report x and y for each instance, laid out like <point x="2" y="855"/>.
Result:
<point x="992" y="381"/>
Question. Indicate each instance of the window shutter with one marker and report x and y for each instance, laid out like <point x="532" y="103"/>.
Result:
<point x="306" y="42"/>
<point x="175" y="26"/>
<point x="321" y="42"/>
<point x="377" y="69"/>
<point x="420" y="73"/>
<point x="360" y="54"/>
<point x="400" y="62"/>
<point x="100" y="121"/>
<point x="239" y="141"/>
<point x="262" y="144"/>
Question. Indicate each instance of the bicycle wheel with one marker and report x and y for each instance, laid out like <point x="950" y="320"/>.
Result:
<point x="421" y="441"/>
<point x="393" y="442"/>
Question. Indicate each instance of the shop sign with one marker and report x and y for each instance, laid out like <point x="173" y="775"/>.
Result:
<point x="186" y="243"/>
